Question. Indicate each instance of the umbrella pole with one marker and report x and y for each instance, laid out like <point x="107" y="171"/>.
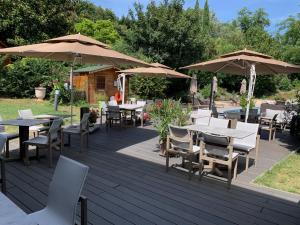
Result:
<point x="72" y="95"/>
<point x="250" y="89"/>
<point x="123" y="91"/>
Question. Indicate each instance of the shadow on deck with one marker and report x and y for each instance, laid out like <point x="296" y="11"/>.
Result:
<point x="127" y="184"/>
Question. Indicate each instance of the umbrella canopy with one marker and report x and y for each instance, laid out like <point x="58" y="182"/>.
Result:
<point x="246" y="62"/>
<point x="155" y="70"/>
<point x="74" y="48"/>
<point x="239" y="62"/>
<point x="66" y="48"/>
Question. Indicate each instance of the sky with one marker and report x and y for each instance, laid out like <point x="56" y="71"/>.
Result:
<point x="225" y="10"/>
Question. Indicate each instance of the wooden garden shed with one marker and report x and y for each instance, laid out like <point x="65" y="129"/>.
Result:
<point x="97" y="80"/>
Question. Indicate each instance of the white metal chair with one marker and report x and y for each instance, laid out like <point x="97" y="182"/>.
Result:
<point x="64" y="194"/>
<point x="112" y="103"/>
<point x="9" y="136"/>
<point x="140" y="112"/>
<point x="82" y="130"/>
<point x="203" y="116"/>
<point x="269" y="125"/>
<point x="27" y="114"/>
<point x="52" y="140"/>
<point x="217" y="150"/>
<point x="103" y="111"/>
<point x="180" y="142"/>
<point x="216" y="122"/>
<point x="250" y="143"/>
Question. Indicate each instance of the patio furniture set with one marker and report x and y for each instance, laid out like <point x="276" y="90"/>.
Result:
<point x="210" y="142"/>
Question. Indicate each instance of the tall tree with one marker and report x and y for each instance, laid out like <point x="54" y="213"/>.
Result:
<point x="26" y="21"/>
<point x="206" y="17"/>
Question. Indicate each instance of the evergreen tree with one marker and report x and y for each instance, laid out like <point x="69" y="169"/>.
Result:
<point x="206" y="17"/>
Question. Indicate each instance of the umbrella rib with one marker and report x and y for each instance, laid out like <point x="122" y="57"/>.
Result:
<point x="265" y="65"/>
<point x="227" y="64"/>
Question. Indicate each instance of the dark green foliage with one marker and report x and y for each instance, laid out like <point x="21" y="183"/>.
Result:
<point x="27" y="21"/>
<point x="285" y="84"/>
<point x="148" y="88"/>
<point x="20" y="79"/>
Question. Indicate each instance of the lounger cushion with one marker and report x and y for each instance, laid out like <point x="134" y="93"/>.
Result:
<point x="243" y="147"/>
<point x="216" y="152"/>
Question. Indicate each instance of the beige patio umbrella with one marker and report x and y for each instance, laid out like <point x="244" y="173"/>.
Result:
<point x="74" y="48"/>
<point x="156" y="69"/>
<point x="248" y="63"/>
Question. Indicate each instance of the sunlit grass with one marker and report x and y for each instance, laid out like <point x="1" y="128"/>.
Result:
<point x="283" y="176"/>
<point x="9" y="109"/>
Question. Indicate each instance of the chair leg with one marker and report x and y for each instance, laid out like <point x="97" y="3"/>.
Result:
<point x="37" y="153"/>
<point x="235" y="168"/>
<point x="190" y="166"/>
<point x="167" y="161"/>
<point x="247" y="161"/>
<point x="7" y="149"/>
<point x="270" y="135"/>
<point x="229" y="175"/>
<point x="61" y="141"/>
<point x="274" y="133"/>
<point x="50" y="156"/>
<point x="201" y="169"/>
<point x="81" y="140"/>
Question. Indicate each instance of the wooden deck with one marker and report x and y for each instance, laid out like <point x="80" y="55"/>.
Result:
<point x="127" y="184"/>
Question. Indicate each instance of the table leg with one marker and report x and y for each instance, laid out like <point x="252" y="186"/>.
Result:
<point x="24" y="136"/>
<point x="142" y="118"/>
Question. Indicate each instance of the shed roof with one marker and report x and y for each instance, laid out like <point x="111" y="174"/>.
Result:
<point x="93" y="69"/>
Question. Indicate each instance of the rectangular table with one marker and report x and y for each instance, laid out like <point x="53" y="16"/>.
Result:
<point x="228" y="132"/>
<point x="24" y="125"/>
<point x="132" y="108"/>
<point x="11" y="214"/>
<point x="52" y="116"/>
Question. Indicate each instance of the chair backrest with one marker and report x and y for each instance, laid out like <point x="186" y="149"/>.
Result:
<point x="215" y="139"/>
<point x="180" y="137"/>
<point x="113" y="111"/>
<point x="141" y="102"/>
<point x="112" y="98"/>
<point x="54" y="128"/>
<point x="249" y="140"/>
<point x="204" y="112"/>
<point x="202" y="121"/>
<point x="84" y="122"/>
<point x="280" y="114"/>
<point x="26" y="114"/>
<point x="113" y="103"/>
<point x="65" y="188"/>
<point x="2" y="141"/>
<point x="104" y="107"/>
<point x="216" y="122"/>
<point x="2" y="128"/>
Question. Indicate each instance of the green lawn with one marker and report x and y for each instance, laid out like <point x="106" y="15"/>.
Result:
<point x="9" y="109"/>
<point x="283" y="176"/>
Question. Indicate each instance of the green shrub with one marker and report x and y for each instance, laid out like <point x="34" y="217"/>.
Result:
<point x="285" y="84"/>
<point x="205" y="91"/>
<point x="243" y="102"/>
<point x="148" y="87"/>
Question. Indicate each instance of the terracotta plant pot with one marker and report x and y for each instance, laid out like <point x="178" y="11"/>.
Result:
<point x="40" y="93"/>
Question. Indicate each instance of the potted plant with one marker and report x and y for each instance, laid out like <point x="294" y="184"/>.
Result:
<point x="243" y="102"/>
<point x="166" y="112"/>
<point x="40" y="92"/>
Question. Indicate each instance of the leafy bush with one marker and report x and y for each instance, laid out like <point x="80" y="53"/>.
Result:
<point x="285" y="84"/>
<point x="167" y="112"/>
<point x="65" y="93"/>
<point x="20" y="78"/>
<point x="148" y="88"/>
<point x="205" y="91"/>
<point x="243" y="102"/>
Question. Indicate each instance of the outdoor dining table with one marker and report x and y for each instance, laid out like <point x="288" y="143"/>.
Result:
<point x="52" y="116"/>
<point x="132" y="108"/>
<point x="11" y="214"/>
<point x="24" y="125"/>
<point x="228" y="132"/>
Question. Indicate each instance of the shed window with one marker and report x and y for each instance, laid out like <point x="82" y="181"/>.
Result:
<point x="100" y="83"/>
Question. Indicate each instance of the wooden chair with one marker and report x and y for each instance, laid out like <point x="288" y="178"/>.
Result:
<point x="217" y="122"/>
<point x="269" y="125"/>
<point x="9" y="137"/>
<point x="251" y="143"/>
<point x="82" y="130"/>
<point x="180" y="142"/>
<point x="217" y="150"/>
<point x="114" y="114"/>
<point x="52" y="140"/>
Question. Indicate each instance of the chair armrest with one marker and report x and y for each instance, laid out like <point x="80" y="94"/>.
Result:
<point x="3" y="175"/>
<point x="83" y="210"/>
